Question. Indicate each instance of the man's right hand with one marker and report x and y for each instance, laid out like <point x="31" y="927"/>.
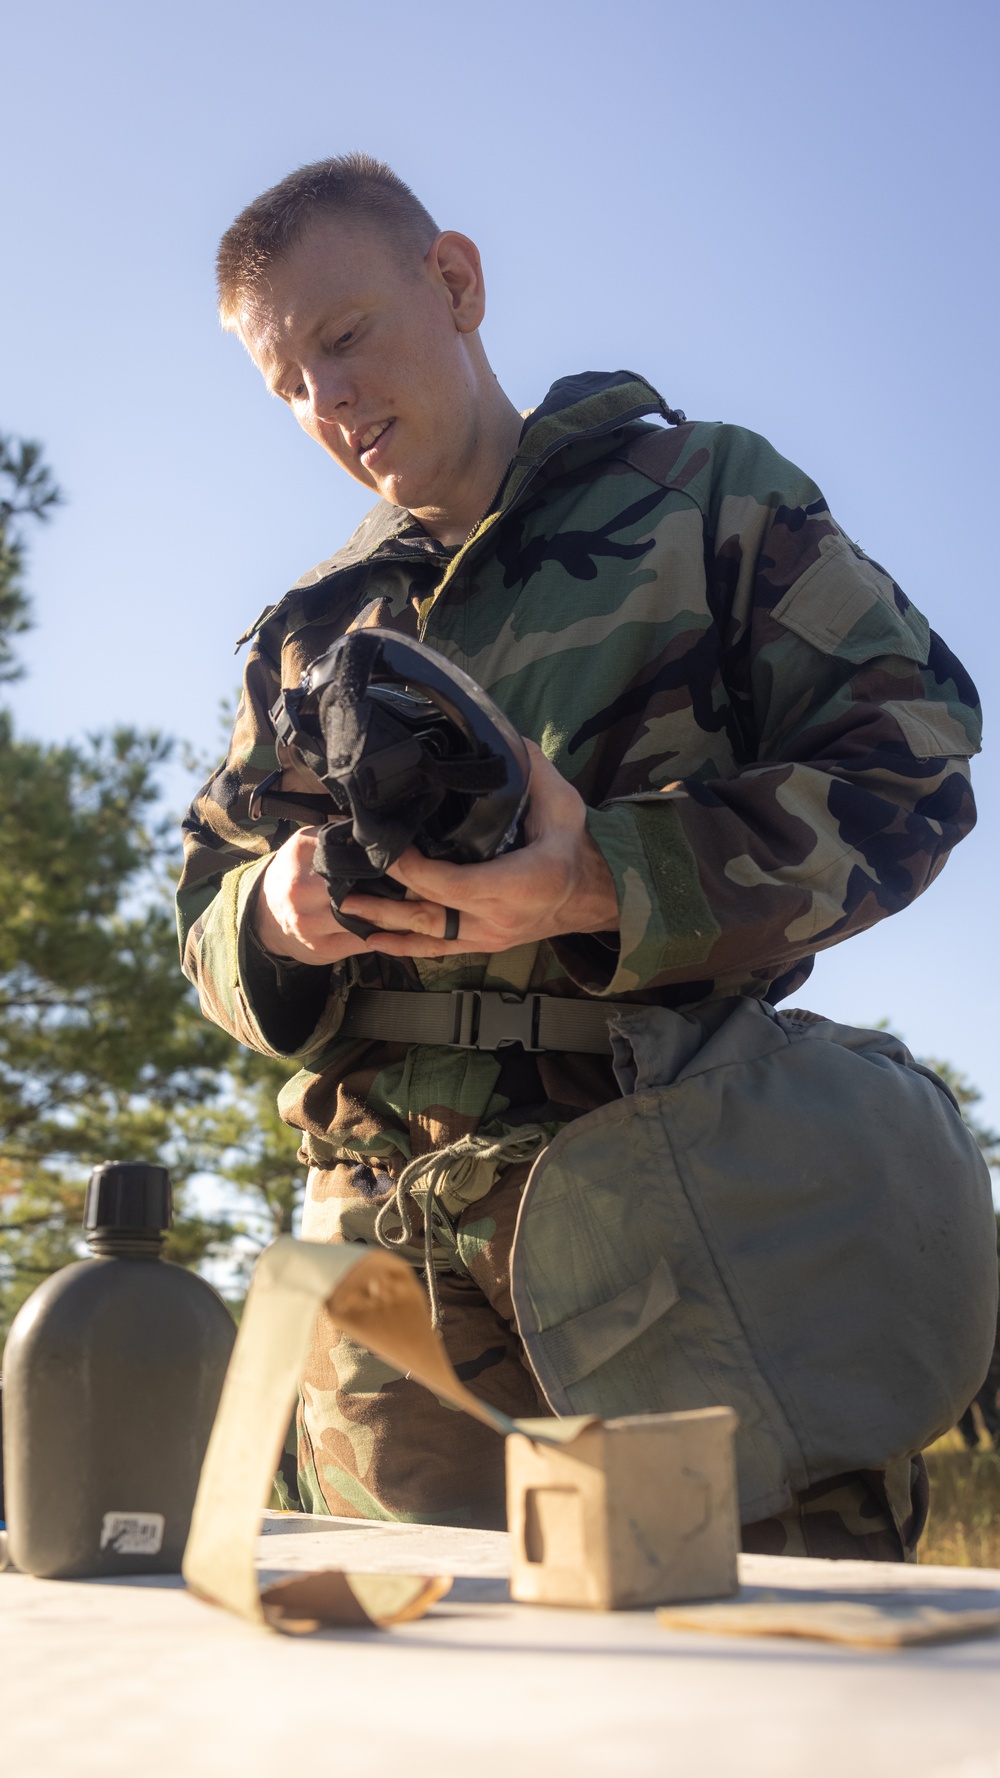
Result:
<point x="294" y="916"/>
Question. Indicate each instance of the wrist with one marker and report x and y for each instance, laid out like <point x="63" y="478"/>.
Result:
<point x="596" y="901"/>
<point x="266" y="932"/>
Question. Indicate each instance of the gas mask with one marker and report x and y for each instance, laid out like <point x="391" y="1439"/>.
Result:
<point x="399" y="748"/>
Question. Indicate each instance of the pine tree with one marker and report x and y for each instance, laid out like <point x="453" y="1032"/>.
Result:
<point x="102" y="1048"/>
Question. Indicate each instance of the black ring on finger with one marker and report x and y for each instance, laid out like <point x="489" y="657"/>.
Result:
<point x="451" y="922"/>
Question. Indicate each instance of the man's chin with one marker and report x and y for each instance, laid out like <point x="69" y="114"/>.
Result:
<point x="398" y="487"/>
<point x="401" y="489"/>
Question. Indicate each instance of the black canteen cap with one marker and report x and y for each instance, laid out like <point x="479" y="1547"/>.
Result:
<point x="128" y="1195"/>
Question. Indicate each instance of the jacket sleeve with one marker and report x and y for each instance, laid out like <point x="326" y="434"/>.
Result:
<point x="276" y="1009"/>
<point x="853" y="726"/>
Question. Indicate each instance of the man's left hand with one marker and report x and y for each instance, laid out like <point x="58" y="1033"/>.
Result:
<point x="558" y="882"/>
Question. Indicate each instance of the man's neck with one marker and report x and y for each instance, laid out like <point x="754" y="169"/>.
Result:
<point x="497" y="443"/>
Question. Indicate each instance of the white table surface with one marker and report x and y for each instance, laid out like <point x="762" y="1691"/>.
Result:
<point x="104" y="1678"/>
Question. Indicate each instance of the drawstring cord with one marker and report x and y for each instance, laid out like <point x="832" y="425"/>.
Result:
<point x="430" y="1173"/>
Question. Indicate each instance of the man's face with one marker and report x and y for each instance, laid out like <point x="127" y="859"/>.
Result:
<point x="369" y="346"/>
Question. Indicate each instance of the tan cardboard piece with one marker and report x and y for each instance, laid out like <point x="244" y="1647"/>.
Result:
<point x="292" y="1279"/>
<point x="894" y="1620"/>
<point x="376" y="1299"/>
<point x="631" y="1512"/>
<point x="647" y="1505"/>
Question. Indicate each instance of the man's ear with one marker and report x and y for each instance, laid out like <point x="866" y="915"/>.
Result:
<point x="453" y="261"/>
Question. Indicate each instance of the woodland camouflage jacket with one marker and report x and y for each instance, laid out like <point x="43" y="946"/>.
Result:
<point x="773" y="747"/>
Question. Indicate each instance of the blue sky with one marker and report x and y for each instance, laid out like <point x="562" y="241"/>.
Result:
<point x="783" y="214"/>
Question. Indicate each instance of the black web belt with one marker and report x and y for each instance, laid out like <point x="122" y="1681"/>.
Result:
<point x="478" y="1019"/>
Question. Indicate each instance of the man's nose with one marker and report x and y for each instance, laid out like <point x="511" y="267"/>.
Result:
<point x="331" y="396"/>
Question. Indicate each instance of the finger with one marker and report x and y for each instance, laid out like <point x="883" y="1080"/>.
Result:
<point x="324" y="939"/>
<point x="334" y="950"/>
<point x="303" y="844"/>
<point x="416" y="944"/>
<point x="474" y="936"/>
<point x="310" y="892"/>
<point x="429" y="879"/>
<point x="397" y="916"/>
<point x="462" y="886"/>
<point x="311" y="946"/>
<point x="309" y="913"/>
<point x="554" y="802"/>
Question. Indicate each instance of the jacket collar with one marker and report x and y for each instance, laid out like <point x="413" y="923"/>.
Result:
<point x="576" y="409"/>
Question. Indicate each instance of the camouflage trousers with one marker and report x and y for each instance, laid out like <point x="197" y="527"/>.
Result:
<point x="373" y="1444"/>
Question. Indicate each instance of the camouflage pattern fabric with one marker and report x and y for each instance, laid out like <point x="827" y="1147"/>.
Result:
<point x="772" y="745"/>
<point x="848" y="1518"/>
<point x="374" y="1444"/>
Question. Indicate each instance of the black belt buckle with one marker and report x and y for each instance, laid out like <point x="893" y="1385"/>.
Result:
<point x="484" y="1020"/>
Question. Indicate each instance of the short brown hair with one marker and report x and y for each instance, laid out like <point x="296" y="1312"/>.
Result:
<point x="350" y="184"/>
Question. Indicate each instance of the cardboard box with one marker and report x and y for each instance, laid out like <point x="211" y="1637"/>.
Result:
<point x="637" y="1511"/>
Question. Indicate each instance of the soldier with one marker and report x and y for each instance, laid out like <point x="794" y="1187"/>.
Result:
<point x="746" y="746"/>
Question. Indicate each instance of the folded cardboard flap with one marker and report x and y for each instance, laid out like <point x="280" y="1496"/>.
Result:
<point x="305" y="1602"/>
<point x="292" y="1279"/>
<point x="885" y="1620"/>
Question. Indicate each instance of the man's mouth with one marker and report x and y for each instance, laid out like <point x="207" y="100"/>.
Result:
<point x="368" y="444"/>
